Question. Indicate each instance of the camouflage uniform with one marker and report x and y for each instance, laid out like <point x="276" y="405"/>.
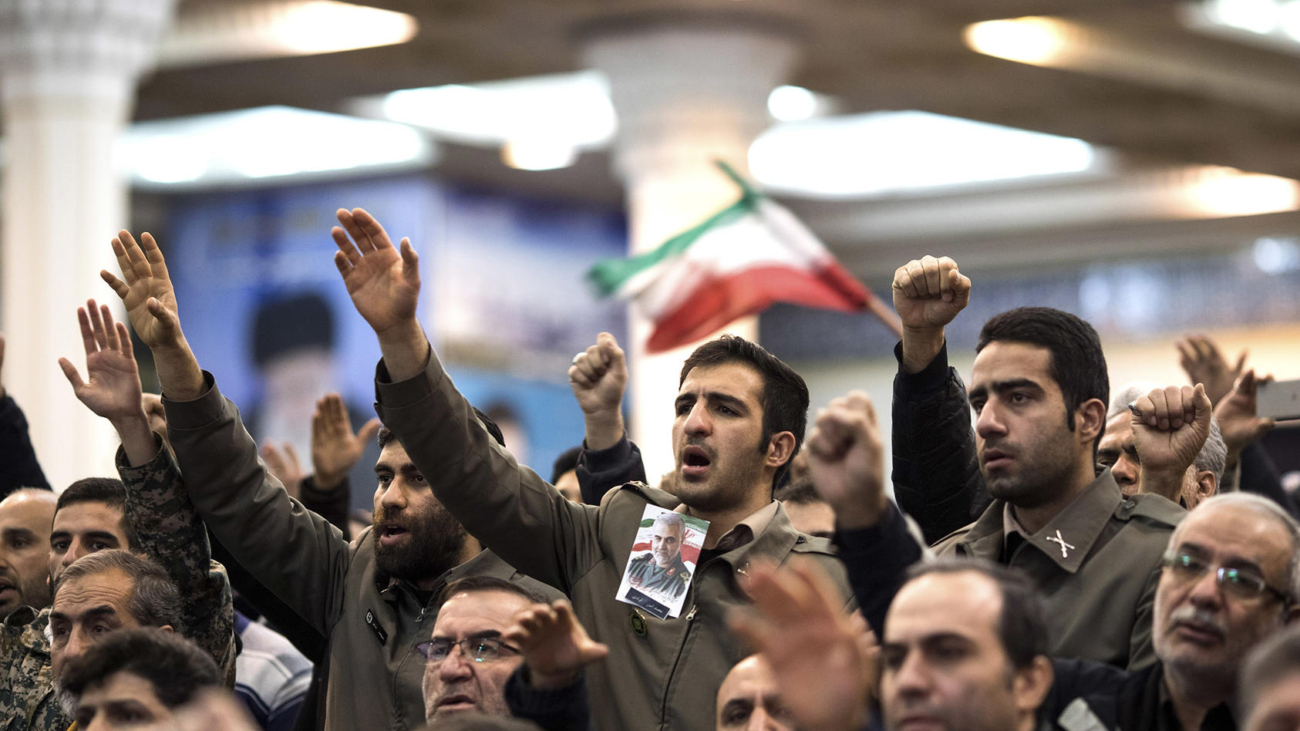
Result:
<point x="170" y="533"/>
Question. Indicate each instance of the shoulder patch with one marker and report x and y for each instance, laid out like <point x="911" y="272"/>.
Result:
<point x="1151" y="508"/>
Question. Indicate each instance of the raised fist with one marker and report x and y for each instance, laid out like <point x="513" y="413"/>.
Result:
<point x="929" y="292"/>
<point x="846" y="460"/>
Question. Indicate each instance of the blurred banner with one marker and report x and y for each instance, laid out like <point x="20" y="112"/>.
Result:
<point x="503" y="300"/>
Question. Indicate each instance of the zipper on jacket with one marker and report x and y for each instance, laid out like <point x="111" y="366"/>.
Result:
<point x="690" y="623"/>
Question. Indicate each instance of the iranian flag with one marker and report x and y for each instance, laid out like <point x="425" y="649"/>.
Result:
<point x="738" y="262"/>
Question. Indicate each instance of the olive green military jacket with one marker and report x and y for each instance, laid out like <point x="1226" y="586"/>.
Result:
<point x="1097" y="564"/>
<point x="170" y="533"/>
<point x="660" y="673"/>
<point x="371" y="622"/>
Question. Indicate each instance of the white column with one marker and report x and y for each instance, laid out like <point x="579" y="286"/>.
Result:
<point x="686" y="94"/>
<point x="68" y="71"/>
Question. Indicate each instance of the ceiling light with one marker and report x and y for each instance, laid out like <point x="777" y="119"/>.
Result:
<point x="791" y="103"/>
<point x="1256" y="16"/>
<point x="561" y="111"/>
<point x="537" y="155"/>
<point x="881" y="152"/>
<point x="1032" y="40"/>
<point x="266" y="142"/>
<point x="237" y="31"/>
<point x="1225" y="192"/>
<point x="1276" y="255"/>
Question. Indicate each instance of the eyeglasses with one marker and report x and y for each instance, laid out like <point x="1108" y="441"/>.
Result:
<point x="479" y="649"/>
<point x="1238" y="583"/>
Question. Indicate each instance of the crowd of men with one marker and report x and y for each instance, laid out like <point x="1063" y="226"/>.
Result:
<point x="1036" y="567"/>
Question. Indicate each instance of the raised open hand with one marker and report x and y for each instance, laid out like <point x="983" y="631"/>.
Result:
<point x="554" y="644"/>
<point x="112" y="385"/>
<point x="817" y="653"/>
<point x="335" y="449"/>
<point x="1170" y="425"/>
<point x="846" y="460"/>
<point x="282" y="462"/>
<point x="384" y="283"/>
<point x="146" y="290"/>
<point x="1238" y="415"/>
<point x="1204" y="363"/>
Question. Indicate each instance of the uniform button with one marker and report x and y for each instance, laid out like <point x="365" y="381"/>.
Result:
<point x="1130" y="503"/>
<point x="800" y="539"/>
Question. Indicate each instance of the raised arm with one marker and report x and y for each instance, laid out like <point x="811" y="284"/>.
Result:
<point x="169" y="529"/>
<point x="298" y="555"/>
<point x="18" y="464"/>
<point x="936" y="470"/>
<point x="598" y="378"/>
<point x="508" y="508"/>
<point x="846" y="460"/>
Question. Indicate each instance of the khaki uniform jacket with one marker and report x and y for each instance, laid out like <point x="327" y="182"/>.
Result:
<point x="372" y="623"/>
<point x="660" y="674"/>
<point x="1100" y="587"/>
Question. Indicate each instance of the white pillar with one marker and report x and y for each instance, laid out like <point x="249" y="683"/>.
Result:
<point x="686" y="94"/>
<point x="68" y="72"/>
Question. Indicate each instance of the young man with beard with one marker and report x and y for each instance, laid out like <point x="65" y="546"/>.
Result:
<point x="373" y="599"/>
<point x="1039" y="391"/>
<point x="741" y="414"/>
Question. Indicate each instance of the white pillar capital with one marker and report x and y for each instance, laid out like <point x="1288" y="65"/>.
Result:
<point x="688" y="89"/>
<point x="84" y="49"/>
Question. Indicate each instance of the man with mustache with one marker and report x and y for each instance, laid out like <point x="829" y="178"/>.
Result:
<point x="25" y="520"/>
<point x="661" y="569"/>
<point x="1039" y="392"/>
<point x="1229" y="583"/>
<point x="372" y="600"/>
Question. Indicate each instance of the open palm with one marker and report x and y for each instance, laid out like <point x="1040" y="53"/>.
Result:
<point x="112" y="386"/>
<point x="144" y="277"/>
<point x="383" y="282"/>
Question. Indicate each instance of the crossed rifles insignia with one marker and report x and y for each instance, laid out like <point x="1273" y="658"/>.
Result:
<point x="1065" y="547"/>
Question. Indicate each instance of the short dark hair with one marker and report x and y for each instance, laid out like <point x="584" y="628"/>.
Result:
<point x="386" y="435"/>
<point x="175" y="667"/>
<point x="104" y="490"/>
<point x="1077" y="363"/>
<point x="1273" y="660"/>
<point x="154" y="600"/>
<point x="799" y="489"/>
<point x="488" y="583"/>
<point x="785" y="395"/>
<point x="1022" y="626"/>
<point x="566" y="462"/>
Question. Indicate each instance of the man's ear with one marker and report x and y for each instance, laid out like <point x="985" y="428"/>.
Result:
<point x="1032" y="683"/>
<point x="780" y="449"/>
<point x="1206" y="484"/>
<point x="1090" y="420"/>
<point x="166" y="628"/>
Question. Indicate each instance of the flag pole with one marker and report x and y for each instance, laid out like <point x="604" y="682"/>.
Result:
<point x="886" y="315"/>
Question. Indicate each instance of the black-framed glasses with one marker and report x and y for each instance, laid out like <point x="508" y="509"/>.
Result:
<point x="1239" y="583"/>
<point x="478" y="649"/>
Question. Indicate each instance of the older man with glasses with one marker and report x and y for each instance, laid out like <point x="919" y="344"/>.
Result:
<point x="1229" y="581"/>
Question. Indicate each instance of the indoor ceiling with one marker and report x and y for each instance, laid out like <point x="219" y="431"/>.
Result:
<point x="869" y="54"/>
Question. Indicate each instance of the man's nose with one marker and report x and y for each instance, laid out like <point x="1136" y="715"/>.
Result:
<point x="989" y="422"/>
<point x="457" y="665"/>
<point x="698" y="421"/>
<point x="1127" y="471"/>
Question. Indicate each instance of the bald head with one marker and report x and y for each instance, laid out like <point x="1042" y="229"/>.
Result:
<point x="26" y="516"/>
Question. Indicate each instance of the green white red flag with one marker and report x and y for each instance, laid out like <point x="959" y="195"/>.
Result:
<point x="737" y="262"/>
